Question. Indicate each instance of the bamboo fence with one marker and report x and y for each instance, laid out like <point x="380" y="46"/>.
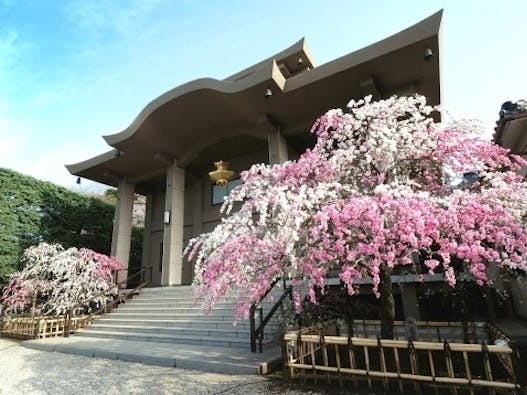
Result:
<point x="40" y="327"/>
<point x="320" y="352"/>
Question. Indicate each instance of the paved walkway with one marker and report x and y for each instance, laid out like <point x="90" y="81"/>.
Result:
<point x="27" y="371"/>
<point x="207" y="359"/>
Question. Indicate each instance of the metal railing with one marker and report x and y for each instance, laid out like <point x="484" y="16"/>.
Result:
<point x="257" y="333"/>
<point x="116" y="299"/>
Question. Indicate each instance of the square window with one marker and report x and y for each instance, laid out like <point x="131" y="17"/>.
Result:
<point x="220" y="192"/>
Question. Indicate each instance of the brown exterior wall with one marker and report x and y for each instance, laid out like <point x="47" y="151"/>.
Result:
<point x="201" y="215"/>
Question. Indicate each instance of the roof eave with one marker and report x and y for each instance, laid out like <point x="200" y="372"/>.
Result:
<point x="268" y="71"/>
<point x="422" y="30"/>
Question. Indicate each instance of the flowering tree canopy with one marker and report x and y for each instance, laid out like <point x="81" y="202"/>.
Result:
<point x="376" y="192"/>
<point x="55" y="280"/>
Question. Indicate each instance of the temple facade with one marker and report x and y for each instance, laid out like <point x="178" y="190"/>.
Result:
<point x="261" y="114"/>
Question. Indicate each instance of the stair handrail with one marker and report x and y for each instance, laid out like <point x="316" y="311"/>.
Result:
<point x="257" y="333"/>
<point x="109" y="305"/>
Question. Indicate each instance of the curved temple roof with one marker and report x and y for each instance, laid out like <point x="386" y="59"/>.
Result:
<point x="180" y="123"/>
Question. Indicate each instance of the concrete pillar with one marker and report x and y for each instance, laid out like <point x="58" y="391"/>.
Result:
<point x="147" y="236"/>
<point x="172" y="273"/>
<point x="277" y="145"/>
<point x="410" y="301"/>
<point x="519" y="298"/>
<point x="122" y="225"/>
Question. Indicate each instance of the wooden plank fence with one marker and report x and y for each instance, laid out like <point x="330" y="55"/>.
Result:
<point x="319" y="352"/>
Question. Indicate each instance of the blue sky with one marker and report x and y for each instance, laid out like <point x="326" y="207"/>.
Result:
<point x="72" y="71"/>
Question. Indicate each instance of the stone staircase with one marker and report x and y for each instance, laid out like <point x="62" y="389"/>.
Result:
<point x="170" y="315"/>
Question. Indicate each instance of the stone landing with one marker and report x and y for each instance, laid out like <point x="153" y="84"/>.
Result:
<point x="226" y="360"/>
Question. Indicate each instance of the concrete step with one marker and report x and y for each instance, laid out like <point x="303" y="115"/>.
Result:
<point x="271" y="299"/>
<point x="171" y="331"/>
<point x="172" y="315"/>
<point x="182" y="291"/>
<point x="133" y="308"/>
<point x="175" y="299"/>
<point x="160" y="338"/>
<point x="147" y="315"/>
<point x="207" y="359"/>
<point x="241" y="326"/>
<point x="184" y="302"/>
<point x="176" y="289"/>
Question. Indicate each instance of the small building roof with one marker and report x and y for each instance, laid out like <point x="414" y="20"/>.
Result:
<point x="511" y="127"/>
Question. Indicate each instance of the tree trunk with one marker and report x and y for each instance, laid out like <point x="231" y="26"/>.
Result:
<point x="387" y="303"/>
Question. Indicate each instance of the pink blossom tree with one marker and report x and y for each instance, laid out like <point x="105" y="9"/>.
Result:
<point x="376" y="193"/>
<point x="55" y="280"/>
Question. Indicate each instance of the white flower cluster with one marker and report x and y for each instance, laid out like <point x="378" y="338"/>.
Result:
<point x="56" y="280"/>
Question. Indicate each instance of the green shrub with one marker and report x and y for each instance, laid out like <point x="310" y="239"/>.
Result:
<point x="33" y="211"/>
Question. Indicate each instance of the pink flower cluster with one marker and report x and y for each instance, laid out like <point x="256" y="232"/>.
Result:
<point x="106" y="265"/>
<point x="366" y="232"/>
<point x="375" y="191"/>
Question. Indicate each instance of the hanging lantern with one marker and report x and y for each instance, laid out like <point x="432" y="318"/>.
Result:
<point x="222" y="175"/>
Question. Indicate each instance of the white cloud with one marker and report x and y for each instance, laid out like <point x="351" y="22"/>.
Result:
<point x="49" y="165"/>
<point x="44" y="158"/>
<point x="9" y="145"/>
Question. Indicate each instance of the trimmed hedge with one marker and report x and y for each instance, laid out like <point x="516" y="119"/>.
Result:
<point x="32" y="211"/>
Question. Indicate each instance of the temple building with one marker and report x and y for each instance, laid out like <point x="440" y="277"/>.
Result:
<point x="511" y="133"/>
<point x="261" y="114"/>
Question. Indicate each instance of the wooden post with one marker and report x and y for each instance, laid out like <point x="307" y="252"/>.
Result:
<point x="398" y="367"/>
<point x="413" y="363"/>
<point x="313" y="359"/>
<point x="67" y="323"/>
<point x="468" y="373"/>
<point x="367" y="360"/>
<point x="432" y="368"/>
<point x="449" y="364"/>
<point x="301" y="352"/>
<point x="337" y="357"/>
<point x="325" y="356"/>
<point x="382" y="362"/>
<point x="36" y="328"/>
<point x="286" y="358"/>
<point x="353" y="365"/>
<point x="520" y="376"/>
<point x="487" y="366"/>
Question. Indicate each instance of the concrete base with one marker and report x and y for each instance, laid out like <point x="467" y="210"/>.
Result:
<point x="207" y="359"/>
<point x="516" y="329"/>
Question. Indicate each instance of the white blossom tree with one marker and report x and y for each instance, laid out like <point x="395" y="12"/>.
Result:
<point x="55" y="280"/>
